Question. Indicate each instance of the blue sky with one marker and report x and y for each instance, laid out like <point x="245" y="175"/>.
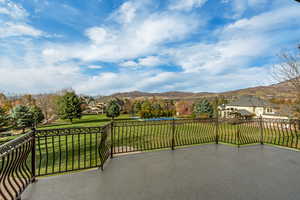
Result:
<point x="99" y="47"/>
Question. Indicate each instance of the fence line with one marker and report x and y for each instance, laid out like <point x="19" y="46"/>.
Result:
<point x="134" y="136"/>
<point x="52" y="151"/>
<point x="70" y="149"/>
<point x="16" y="168"/>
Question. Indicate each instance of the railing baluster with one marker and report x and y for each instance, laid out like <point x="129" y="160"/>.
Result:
<point x="15" y="175"/>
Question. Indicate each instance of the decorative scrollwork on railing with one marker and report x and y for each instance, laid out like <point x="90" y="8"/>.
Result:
<point x="15" y="173"/>
<point x="67" y="149"/>
<point x="67" y="131"/>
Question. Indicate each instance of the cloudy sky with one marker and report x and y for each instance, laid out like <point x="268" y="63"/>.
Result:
<point x="107" y="46"/>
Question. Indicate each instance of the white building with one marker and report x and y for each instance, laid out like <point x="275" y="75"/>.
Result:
<point x="250" y="106"/>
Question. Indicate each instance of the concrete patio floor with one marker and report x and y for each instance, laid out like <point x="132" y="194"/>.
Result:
<point x="208" y="172"/>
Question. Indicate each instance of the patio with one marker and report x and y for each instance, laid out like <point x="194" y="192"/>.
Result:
<point x="201" y="172"/>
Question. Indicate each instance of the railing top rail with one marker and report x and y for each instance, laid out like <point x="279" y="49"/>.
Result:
<point x="279" y="120"/>
<point x="71" y="128"/>
<point x="13" y="144"/>
<point x="164" y="121"/>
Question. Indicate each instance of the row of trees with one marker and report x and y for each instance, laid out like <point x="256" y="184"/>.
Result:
<point x="26" y="113"/>
<point x="21" y="117"/>
<point x="154" y="108"/>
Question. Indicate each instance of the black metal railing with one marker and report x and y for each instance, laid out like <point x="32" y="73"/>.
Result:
<point x="104" y="147"/>
<point x="281" y="132"/>
<point x="53" y="151"/>
<point x="16" y="166"/>
<point x="239" y="132"/>
<point x="136" y="136"/>
<point x="70" y="149"/>
<point x="133" y="136"/>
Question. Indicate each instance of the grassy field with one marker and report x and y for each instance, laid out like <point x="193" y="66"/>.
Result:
<point x="85" y="121"/>
<point x="8" y="138"/>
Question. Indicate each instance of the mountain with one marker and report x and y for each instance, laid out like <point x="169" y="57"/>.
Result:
<point x="280" y="90"/>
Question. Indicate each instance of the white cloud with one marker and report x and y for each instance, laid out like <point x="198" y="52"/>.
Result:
<point x="129" y="63"/>
<point x="143" y="42"/>
<point x="164" y="27"/>
<point x="132" y="10"/>
<point x="239" y="43"/>
<point x="15" y="21"/>
<point x="241" y="6"/>
<point x="149" y="61"/>
<point x="186" y="5"/>
<point x="126" y="13"/>
<point x="158" y="81"/>
<point x="267" y="21"/>
<point x="12" y="9"/>
<point x="130" y="42"/>
<point x="95" y="67"/>
<point x="218" y="57"/>
<point x="11" y="29"/>
<point x="38" y="78"/>
<point x="97" y="34"/>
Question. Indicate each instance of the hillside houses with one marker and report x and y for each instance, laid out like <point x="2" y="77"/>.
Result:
<point x="251" y="106"/>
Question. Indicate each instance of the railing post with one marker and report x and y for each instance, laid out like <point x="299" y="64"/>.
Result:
<point x="33" y="156"/>
<point x="217" y="129"/>
<point x="238" y="135"/>
<point x="261" y="130"/>
<point x="112" y="139"/>
<point x="173" y="134"/>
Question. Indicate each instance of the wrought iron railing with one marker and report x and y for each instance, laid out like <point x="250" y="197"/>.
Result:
<point x="281" y="132"/>
<point x="16" y="166"/>
<point x="133" y="136"/>
<point x="70" y="149"/>
<point x="53" y="151"/>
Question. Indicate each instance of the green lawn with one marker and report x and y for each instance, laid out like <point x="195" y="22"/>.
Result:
<point x="85" y="121"/>
<point x="7" y="139"/>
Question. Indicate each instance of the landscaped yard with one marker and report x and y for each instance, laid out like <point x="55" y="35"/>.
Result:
<point x="85" y="121"/>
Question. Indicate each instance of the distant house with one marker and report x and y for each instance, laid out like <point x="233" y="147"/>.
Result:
<point x="96" y="108"/>
<point x="250" y="106"/>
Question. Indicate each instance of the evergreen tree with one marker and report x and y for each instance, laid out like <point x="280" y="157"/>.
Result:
<point x="3" y="118"/>
<point x="37" y="115"/>
<point x="203" y="108"/>
<point x="69" y="106"/>
<point x="113" y="109"/>
<point x="137" y="107"/>
<point x="22" y="117"/>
